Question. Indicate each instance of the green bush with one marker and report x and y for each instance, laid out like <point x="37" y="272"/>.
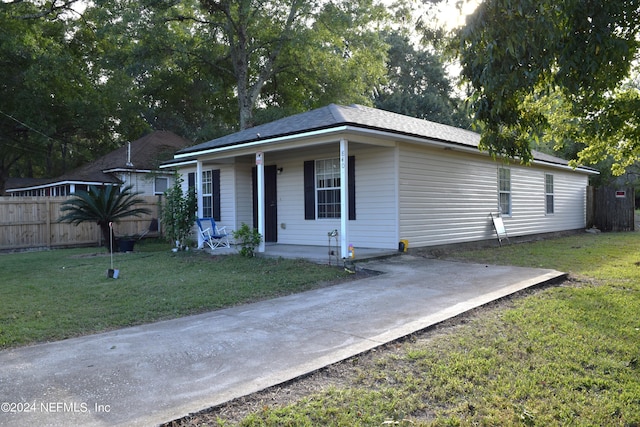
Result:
<point x="248" y="238"/>
<point x="178" y="213"/>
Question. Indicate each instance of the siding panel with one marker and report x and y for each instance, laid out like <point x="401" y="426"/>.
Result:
<point x="446" y="197"/>
<point x="374" y="226"/>
<point x="243" y="187"/>
<point x="426" y="195"/>
<point x="529" y="208"/>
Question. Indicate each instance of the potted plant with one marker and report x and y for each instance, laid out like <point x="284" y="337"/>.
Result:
<point x="126" y="243"/>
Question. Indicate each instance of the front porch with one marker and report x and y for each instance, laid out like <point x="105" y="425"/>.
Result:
<point x="316" y="254"/>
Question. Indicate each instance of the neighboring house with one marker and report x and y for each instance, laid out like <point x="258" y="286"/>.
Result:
<point x="136" y="163"/>
<point x="376" y="177"/>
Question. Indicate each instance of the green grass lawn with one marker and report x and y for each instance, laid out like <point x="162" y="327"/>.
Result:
<point x="562" y="355"/>
<point x="52" y="295"/>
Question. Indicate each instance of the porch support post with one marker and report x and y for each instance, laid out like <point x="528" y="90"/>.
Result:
<point x="199" y="197"/>
<point x="260" y="184"/>
<point x="344" y="197"/>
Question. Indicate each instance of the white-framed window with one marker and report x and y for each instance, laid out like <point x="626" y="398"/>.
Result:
<point x="504" y="191"/>
<point x="548" y="193"/>
<point x="328" y="188"/>
<point x="160" y="185"/>
<point x="207" y="194"/>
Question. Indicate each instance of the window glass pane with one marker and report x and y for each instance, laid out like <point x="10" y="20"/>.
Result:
<point x="207" y="194"/>
<point x="505" y="180"/>
<point x="548" y="179"/>
<point x="329" y="204"/>
<point x="328" y="188"/>
<point x="505" y="203"/>
<point x="549" y="183"/>
<point x="161" y="185"/>
<point x="504" y="190"/>
<point x="207" y="181"/>
<point x="207" y="206"/>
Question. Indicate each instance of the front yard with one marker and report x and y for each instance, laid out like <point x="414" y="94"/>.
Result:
<point x="52" y="295"/>
<point x="563" y="355"/>
<point x="567" y="354"/>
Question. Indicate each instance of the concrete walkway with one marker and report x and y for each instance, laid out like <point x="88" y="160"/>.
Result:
<point x="147" y="375"/>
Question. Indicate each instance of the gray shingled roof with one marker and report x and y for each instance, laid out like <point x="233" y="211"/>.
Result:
<point x="146" y="154"/>
<point x="357" y="116"/>
<point x="338" y="115"/>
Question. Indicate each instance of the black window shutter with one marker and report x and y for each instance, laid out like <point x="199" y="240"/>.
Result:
<point x="352" y="187"/>
<point x="191" y="180"/>
<point x="215" y="175"/>
<point x="309" y="190"/>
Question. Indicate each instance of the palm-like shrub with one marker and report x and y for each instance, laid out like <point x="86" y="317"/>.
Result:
<point x="102" y="205"/>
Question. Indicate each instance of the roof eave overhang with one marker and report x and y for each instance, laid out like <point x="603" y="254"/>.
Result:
<point x="293" y="140"/>
<point x="255" y="144"/>
<point x="179" y="163"/>
<point x="127" y="170"/>
<point x="580" y="169"/>
<point x="58" y="183"/>
<point x="287" y="141"/>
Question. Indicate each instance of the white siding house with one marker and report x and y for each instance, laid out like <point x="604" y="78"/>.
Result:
<point x="377" y="177"/>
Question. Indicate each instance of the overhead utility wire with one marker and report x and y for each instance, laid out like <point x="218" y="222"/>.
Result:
<point x="31" y="129"/>
<point x="27" y="126"/>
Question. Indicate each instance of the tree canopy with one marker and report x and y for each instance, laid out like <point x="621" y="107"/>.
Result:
<point x="49" y="106"/>
<point x="418" y="85"/>
<point x="512" y="51"/>
<point x="80" y="78"/>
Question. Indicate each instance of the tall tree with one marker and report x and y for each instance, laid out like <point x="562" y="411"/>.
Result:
<point x="48" y="104"/>
<point x="283" y="42"/>
<point x="418" y="84"/>
<point x="512" y="49"/>
<point x="339" y="58"/>
<point x="254" y="33"/>
<point x="75" y="85"/>
<point x="160" y="69"/>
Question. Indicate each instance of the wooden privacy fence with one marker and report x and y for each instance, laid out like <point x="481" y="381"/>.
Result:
<point x="611" y="208"/>
<point x="32" y="222"/>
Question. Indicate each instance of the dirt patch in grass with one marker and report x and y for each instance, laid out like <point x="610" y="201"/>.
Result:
<point x="345" y="374"/>
<point x="90" y="255"/>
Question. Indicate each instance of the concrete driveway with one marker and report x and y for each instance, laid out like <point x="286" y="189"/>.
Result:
<point x="147" y="375"/>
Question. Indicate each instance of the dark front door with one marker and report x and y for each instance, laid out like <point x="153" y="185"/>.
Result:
<point x="271" y="202"/>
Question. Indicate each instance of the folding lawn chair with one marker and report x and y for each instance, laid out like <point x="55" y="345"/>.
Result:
<point x="212" y="235"/>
